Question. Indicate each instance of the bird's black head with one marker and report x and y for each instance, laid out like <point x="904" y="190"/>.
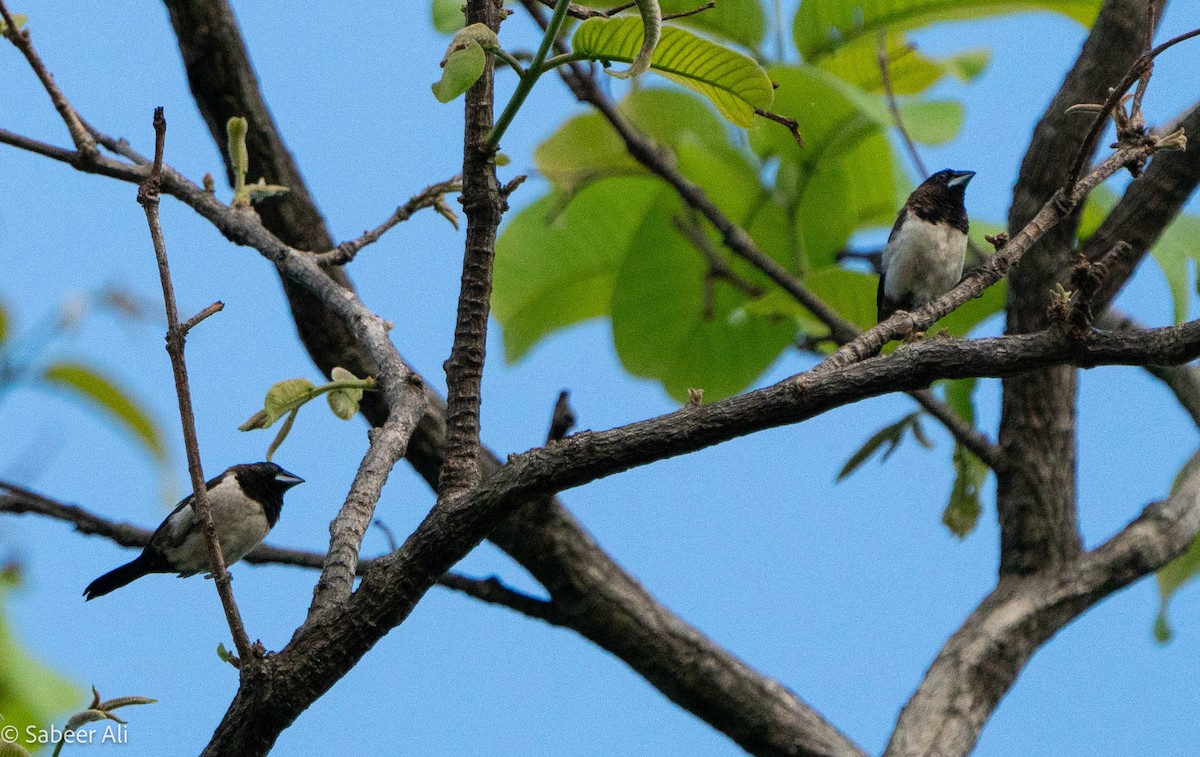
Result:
<point x="940" y="199"/>
<point x="266" y="483"/>
<point x="949" y="180"/>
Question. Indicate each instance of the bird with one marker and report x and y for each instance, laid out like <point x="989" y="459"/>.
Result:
<point x="925" y="252"/>
<point x="244" y="500"/>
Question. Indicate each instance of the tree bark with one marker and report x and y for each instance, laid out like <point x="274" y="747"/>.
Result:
<point x="1035" y="497"/>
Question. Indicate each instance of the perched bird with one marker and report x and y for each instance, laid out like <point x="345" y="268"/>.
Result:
<point x="925" y="252"/>
<point x="245" y="502"/>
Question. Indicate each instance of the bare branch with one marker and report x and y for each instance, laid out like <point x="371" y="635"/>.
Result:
<point x="893" y="106"/>
<point x="84" y="144"/>
<point x="176" y="338"/>
<point x="325" y="648"/>
<point x="432" y="196"/>
<point x="983" y="658"/>
<point x="483" y="205"/>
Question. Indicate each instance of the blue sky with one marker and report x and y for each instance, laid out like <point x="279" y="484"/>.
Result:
<point x="844" y="593"/>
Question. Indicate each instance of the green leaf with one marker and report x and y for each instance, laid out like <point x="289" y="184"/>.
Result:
<point x="735" y="83"/>
<point x="235" y="129"/>
<point x="1099" y="203"/>
<point x="464" y="61"/>
<point x="344" y="401"/>
<point x="890" y="435"/>
<point x="844" y="178"/>
<point x="3" y="324"/>
<point x="31" y="694"/>
<point x="556" y="265"/>
<point x="448" y="16"/>
<point x="225" y="655"/>
<point x="1178" y="572"/>
<point x="960" y="395"/>
<point x="1177" y="245"/>
<point x="910" y="71"/>
<point x="970" y="64"/>
<point x="586" y="148"/>
<point x="106" y="394"/>
<point x="18" y="18"/>
<point x="932" y="122"/>
<point x="285" y="396"/>
<point x="669" y="326"/>
<point x="962" y="512"/>
<point x="740" y="21"/>
<point x="821" y="27"/>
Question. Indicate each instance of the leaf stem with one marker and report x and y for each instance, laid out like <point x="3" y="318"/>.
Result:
<point x="530" y="76"/>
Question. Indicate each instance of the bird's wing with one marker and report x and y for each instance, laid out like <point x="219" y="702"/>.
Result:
<point x="178" y="525"/>
<point x="181" y="521"/>
<point x="880" y="298"/>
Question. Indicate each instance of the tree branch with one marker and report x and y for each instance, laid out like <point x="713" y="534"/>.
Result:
<point x="1149" y="205"/>
<point x="983" y="658"/>
<point x="84" y="144"/>
<point x="176" y="338"/>
<point x="323" y="650"/>
<point x="1035" y="498"/>
<point x="483" y="205"/>
<point x="432" y="196"/>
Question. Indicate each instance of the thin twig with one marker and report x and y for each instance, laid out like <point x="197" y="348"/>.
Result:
<point x="894" y="106"/>
<point x="432" y="196"/>
<point x="684" y="14"/>
<point x="195" y="320"/>
<point x="791" y="124"/>
<point x="176" y="337"/>
<point x="116" y="146"/>
<point x="718" y="268"/>
<point x="1136" y="71"/>
<point x="84" y="143"/>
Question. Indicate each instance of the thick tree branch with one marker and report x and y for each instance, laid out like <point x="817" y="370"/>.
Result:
<point x="323" y="650"/>
<point x="483" y="205"/>
<point x="1182" y="380"/>
<point x="1036" y="495"/>
<point x="983" y="658"/>
<point x="597" y="597"/>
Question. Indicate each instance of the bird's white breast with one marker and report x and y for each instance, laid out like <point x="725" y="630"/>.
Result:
<point x="924" y="260"/>
<point x="241" y="526"/>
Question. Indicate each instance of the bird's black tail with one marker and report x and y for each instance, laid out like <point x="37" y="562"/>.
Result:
<point x="115" y="579"/>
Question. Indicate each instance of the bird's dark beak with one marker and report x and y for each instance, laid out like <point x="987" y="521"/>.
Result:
<point x="287" y="480"/>
<point x="960" y="178"/>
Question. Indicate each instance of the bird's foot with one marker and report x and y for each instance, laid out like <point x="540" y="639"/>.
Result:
<point x="913" y="337"/>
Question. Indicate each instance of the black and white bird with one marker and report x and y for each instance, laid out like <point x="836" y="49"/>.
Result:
<point x="245" y="502"/>
<point x="926" y="250"/>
